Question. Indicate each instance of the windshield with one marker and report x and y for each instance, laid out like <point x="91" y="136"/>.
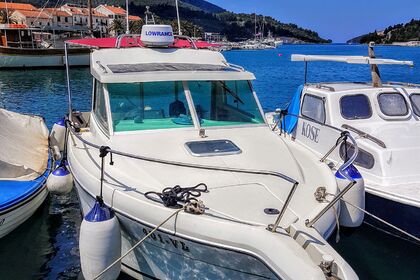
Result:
<point x="223" y="103"/>
<point x="163" y="105"/>
<point x="145" y="106"/>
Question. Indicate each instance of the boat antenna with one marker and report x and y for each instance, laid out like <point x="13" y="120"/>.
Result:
<point x="177" y="16"/>
<point x="374" y="70"/>
<point x="148" y="13"/>
<point x="127" y="22"/>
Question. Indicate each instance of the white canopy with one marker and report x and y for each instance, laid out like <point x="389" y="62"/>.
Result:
<point x="349" y="59"/>
<point x="23" y="146"/>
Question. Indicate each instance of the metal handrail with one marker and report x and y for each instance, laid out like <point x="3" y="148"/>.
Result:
<point x="236" y="66"/>
<point x="200" y="166"/>
<point x="189" y="39"/>
<point x="310" y="223"/>
<point x="122" y="36"/>
<point x="365" y="135"/>
<point x="402" y="84"/>
<point x="285" y="113"/>
<point x="343" y="137"/>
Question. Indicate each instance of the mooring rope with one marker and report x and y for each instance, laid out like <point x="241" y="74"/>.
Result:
<point x="381" y="220"/>
<point x="140" y="242"/>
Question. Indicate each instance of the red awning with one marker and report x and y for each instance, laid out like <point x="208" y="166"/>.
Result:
<point x="129" y="42"/>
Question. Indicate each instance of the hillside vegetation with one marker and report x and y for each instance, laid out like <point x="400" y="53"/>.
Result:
<point x="199" y="16"/>
<point x="397" y="33"/>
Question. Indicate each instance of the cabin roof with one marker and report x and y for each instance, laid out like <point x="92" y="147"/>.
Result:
<point x="337" y="87"/>
<point x="128" y="65"/>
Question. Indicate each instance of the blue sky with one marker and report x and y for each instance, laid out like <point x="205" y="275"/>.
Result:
<point x="338" y="20"/>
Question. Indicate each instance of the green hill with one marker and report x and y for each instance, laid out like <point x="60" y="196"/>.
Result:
<point x="397" y="33"/>
<point x="200" y="16"/>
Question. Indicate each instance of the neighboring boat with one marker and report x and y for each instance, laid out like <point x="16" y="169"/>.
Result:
<point x="20" y="49"/>
<point x="23" y="168"/>
<point x="384" y="120"/>
<point x="164" y="118"/>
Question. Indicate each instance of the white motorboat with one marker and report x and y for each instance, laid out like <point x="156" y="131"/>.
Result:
<point x="23" y="168"/>
<point x="384" y="120"/>
<point x="165" y="118"/>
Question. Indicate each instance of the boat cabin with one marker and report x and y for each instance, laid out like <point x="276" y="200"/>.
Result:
<point x="384" y="118"/>
<point x="21" y="36"/>
<point x="170" y="88"/>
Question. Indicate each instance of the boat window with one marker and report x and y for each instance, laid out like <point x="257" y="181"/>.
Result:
<point x="99" y="107"/>
<point x="392" y="104"/>
<point x="355" y="107"/>
<point x="225" y="103"/>
<point x="313" y="108"/>
<point x="363" y="159"/>
<point x="147" y="106"/>
<point x="415" y="103"/>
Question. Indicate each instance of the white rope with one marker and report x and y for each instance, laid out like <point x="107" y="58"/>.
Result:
<point x="382" y="221"/>
<point x="139" y="242"/>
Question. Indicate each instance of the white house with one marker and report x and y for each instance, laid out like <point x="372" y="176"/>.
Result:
<point x="32" y="18"/>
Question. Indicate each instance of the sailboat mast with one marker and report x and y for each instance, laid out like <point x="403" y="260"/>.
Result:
<point x="255" y="31"/>
<point x="90" y="18"/>
<point x="127" y="22"/>
<point x="178" y="19"/>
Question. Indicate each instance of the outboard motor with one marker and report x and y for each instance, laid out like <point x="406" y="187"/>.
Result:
<point x="100" y="242"/>
<point x="349" y="215"/>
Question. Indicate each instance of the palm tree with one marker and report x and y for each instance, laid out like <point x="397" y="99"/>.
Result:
<point x="6" y="17"/>
<point x="117" y="26"/>
<point x="135" y="26"/>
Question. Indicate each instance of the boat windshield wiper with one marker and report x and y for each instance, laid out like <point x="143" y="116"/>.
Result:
<point x="231" y="92"/>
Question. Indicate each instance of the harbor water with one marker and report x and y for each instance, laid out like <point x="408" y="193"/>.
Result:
<point x="46" y="246"/>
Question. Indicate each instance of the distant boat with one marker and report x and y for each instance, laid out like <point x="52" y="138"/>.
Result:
<point x="21" y="46"/>
<point x="24" y="168"/>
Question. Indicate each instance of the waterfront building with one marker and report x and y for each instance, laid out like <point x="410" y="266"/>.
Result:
<point x="31" y="18"/>
<point x="16" y="6"/>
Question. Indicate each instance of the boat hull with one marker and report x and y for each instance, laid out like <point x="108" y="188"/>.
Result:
<point x="17" y="214"/>
<point x="168" y="256"/>
<point x="41" y="58"/>
<point x="403" y="216"/>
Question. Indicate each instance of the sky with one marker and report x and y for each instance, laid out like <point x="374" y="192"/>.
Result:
<point x="338" y="20"/>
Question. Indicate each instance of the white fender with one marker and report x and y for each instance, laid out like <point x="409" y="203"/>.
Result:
<point x="60" y="181"/>
<point x="100" y="243"/>
<point x="58" y="134"/>
<point x="349" y="215"/>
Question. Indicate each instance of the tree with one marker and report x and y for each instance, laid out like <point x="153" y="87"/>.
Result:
<point x="117" y="26"/>
<point x="135" y="26"/>
<point x="6" y="17"/>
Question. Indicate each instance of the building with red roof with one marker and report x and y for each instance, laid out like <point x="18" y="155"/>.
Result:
<point x="32" y="18"/>
<point x="16" y="6"/>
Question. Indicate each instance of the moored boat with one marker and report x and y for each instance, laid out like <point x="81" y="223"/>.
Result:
<point x="19" y="49"/>
<point x="23" y="168"/>
<point x="177" y="148"/>
<point x="383" y="117"/>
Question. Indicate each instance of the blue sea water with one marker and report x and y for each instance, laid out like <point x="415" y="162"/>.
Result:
<point x="46" y="246"/>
